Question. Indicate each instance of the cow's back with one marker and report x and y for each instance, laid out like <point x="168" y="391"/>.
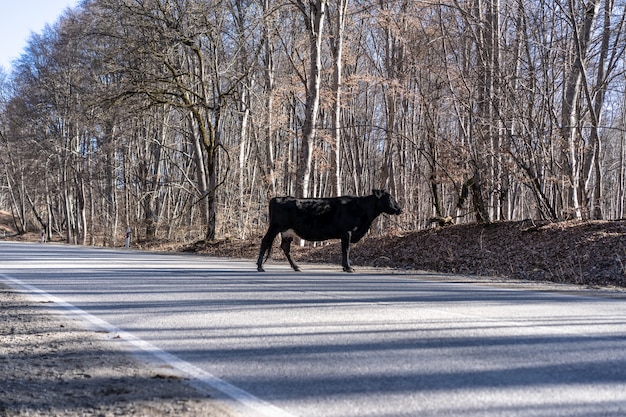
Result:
<point x="317" y="219"/>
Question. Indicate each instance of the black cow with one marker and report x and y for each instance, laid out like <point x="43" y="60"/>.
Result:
<point x="316" y="219"/>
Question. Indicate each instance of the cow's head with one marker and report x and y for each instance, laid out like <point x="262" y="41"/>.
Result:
<point x="386" y="203"/>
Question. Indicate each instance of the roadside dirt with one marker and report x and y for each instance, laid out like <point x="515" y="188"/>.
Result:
<point x="51" y="366"/>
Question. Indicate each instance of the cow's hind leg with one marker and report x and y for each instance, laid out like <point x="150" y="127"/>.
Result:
<point x="266" y="246"/>
<point x="285" y="245"/>
<point x="345" y="253"/>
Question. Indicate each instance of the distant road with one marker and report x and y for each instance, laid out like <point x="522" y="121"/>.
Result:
<point x="324" y="343"/>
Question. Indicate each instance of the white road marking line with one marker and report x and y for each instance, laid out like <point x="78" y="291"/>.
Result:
<point x="200" y="379"/>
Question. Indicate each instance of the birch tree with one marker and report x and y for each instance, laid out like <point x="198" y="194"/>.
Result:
<point x="337" y="42"/>
<point x="314" y="19"/>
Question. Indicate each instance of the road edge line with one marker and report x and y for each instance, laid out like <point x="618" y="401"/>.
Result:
<point x="199" y="378"/>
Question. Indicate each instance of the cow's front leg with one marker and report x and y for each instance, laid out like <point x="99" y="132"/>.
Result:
<point x="266" y="246"/>
<point x="345" y="252"/>
<point x="285" y="245"/>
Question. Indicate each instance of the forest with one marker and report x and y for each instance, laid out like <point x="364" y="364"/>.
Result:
<point x="180" y="119"/>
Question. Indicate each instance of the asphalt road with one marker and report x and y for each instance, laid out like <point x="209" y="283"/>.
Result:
<point x="325" y="343"/>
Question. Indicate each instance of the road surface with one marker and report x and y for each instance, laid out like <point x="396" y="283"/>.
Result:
<point x="324" y="343"/>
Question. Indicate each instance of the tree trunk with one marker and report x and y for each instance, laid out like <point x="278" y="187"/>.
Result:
<point x="570" y="117"/>
<point x="337" y="49"/>
<point x="269" y="94"/>
<point x="315" y="17"/>
<point x="593" y="170"/>
<point x="201" y="172"/>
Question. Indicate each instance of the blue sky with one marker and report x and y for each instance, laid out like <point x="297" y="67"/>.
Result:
<point x="20" y="18"/>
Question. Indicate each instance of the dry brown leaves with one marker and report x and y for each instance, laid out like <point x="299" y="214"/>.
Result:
<point x="590" y="253"/>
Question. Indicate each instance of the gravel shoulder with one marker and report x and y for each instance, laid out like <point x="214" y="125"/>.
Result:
<point x="52" y="366"/>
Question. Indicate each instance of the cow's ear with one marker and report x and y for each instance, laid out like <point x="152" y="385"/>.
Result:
<point x="378" y="193"/>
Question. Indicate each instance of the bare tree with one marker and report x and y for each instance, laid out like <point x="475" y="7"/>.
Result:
<point x="314" y="18"/>
<point x="125" y="113"/>
<point x="571" y="117"/>
<point x="338" y="35"/>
